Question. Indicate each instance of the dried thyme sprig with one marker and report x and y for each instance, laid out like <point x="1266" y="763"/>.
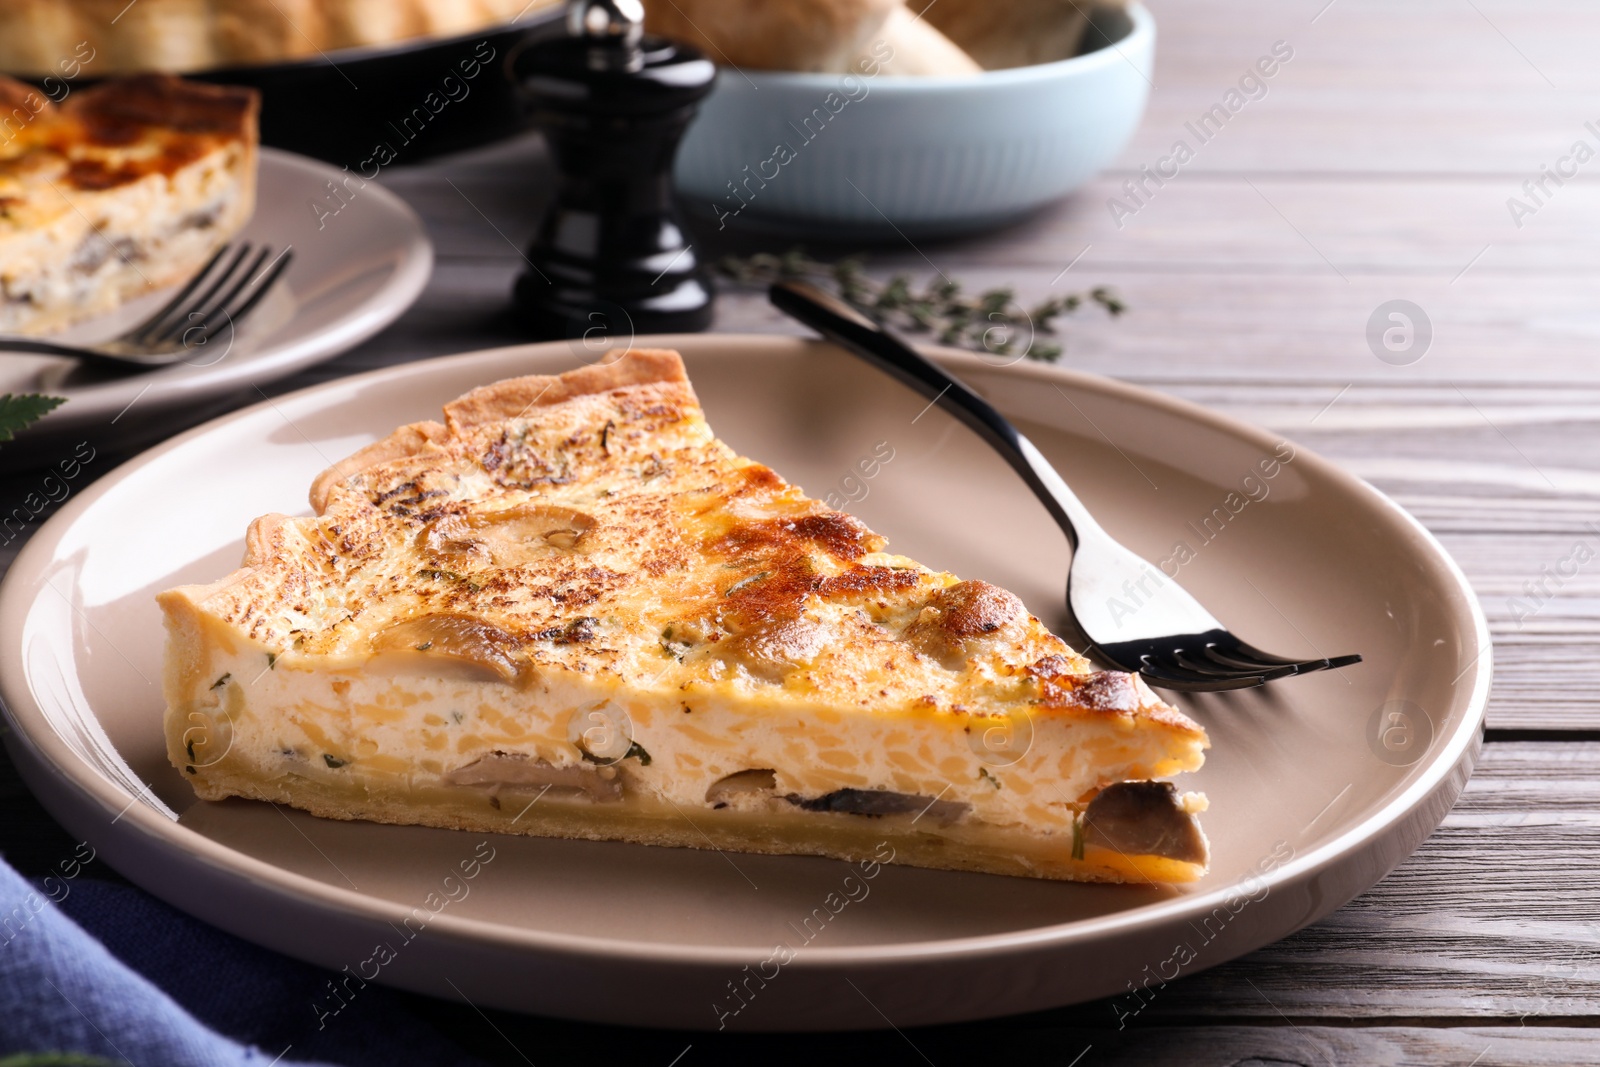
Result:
<point x="992" y="321"/>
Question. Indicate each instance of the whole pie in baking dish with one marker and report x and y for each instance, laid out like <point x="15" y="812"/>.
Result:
<point x="569" y="610"/>
<point x="181" y="36"/>
<point x="128" y="186"/>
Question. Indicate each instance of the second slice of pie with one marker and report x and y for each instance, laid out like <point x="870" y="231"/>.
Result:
<point x="129" y="186"/>
<point x="568" y="610"/>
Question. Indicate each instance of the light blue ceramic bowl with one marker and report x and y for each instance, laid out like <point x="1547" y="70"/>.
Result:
<point x="846" y="156"/>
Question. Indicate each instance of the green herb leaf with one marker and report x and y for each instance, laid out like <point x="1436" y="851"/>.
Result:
<point x="19" y="411"/>
<point x="743" y="582"/>
<point x="1108" y="300"/>
<point x="1077" y="838"/>
<point x="983" y="773"/>
<point x="676" y="649"/>
<point x="439" y="574"/>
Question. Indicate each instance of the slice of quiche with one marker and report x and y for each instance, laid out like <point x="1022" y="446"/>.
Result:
<point x="569" y="610"/>
<point x="129" y="186"/>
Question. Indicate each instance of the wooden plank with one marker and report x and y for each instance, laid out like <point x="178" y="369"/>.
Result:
<point x="1305" y="333"/>
<point x="1343" y="226"/>
<point x="1261" y="1046"/>
<point x="1496" y="85"/>
<point x="1021" y="1040"/>
<point x="1220" y="286"/>
<point x="1282" y="320"/>
<point x="1497" y="915"/>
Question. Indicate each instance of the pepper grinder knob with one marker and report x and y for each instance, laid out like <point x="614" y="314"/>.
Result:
<point x="607" y="18"/>
<point x="610" y="259"/>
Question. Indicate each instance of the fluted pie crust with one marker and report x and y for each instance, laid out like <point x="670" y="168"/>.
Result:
<point x="569" y="610"/>
<point x="185" y="36"/>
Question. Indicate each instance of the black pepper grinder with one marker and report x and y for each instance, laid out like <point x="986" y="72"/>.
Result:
<point x="610" y="258"/>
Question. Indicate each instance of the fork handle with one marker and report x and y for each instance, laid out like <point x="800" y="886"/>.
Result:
<point x="856" y="333"/>
<point x="130" y="364"/>
<point x="31" y="346"/>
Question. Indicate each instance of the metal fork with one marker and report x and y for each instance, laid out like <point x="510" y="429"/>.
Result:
<point x="223" y="293"/>
<point x="1133" y="614"/>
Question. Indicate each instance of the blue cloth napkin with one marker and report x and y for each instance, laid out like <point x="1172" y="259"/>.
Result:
<point x="106" y="970"/>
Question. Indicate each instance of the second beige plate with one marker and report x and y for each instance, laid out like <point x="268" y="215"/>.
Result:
<point x="1318" y="785"/>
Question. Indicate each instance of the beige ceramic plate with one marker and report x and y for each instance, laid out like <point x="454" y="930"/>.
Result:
<point x="1318" y="785"/>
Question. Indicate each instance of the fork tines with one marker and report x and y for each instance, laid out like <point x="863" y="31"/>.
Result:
<point x="211" y="299"/>
<point x="1213" y="660"/>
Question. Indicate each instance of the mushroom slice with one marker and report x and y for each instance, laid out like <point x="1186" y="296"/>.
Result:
<point x="959" y="618"/>
<point x="519" y="770"/>
<point x="510" y="536"/>
<point x="1145" y="819"/>
<point x="883" y="802"/>
<point x="770" y="651"/>
<point x="743" y="789"/>
<point x="480" y="648"/>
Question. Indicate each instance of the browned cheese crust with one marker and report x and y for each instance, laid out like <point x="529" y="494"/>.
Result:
<point x="118" y="132"/>
<point x="665" y="544"/>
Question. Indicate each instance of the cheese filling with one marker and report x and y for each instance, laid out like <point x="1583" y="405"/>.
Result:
<point x="394" y="729"/>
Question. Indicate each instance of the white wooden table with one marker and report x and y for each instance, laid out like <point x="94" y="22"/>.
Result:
<point x="1378" y="166"/>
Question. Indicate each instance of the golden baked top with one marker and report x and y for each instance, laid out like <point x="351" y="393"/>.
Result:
<point x="109" y="135"/>
<point x="592" y="523"/>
